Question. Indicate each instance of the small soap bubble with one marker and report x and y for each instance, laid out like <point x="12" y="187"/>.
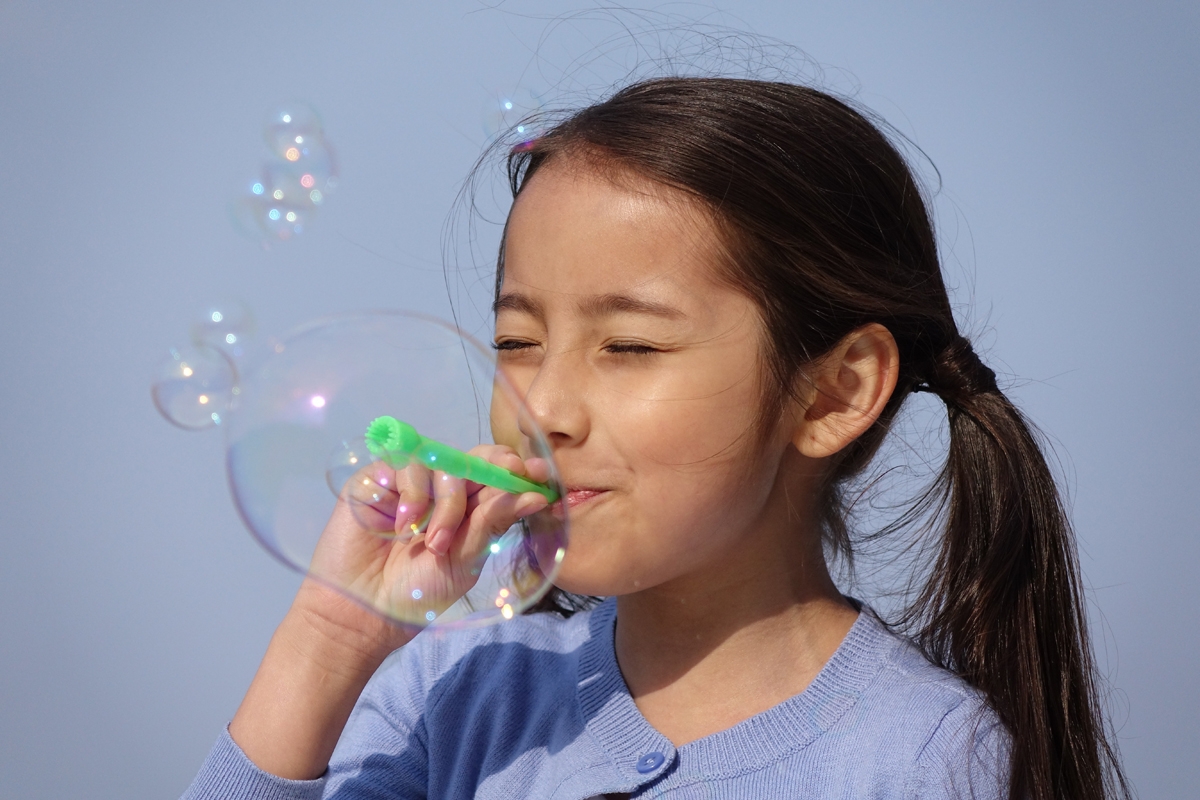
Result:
<point x="350" y="458"/>
<point x="286" y="184"/>
<point x="283" y="222"/>
<point x="313" y="168"/>
<point x="270" y="219"/>
<point x="292" y="127"/>
<point x="300" y="145"/>
<point x="194" y="387"/>
<point x="513" y="116"/>
<point x="227" y="326"/>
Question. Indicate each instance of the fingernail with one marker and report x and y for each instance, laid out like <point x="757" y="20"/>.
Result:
<point x="439" y="542"/>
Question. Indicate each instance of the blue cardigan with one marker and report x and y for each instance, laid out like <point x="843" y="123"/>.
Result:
<point x="537" y="708"/>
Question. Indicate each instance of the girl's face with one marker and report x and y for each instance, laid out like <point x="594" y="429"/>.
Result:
<point x="644" y="373"/>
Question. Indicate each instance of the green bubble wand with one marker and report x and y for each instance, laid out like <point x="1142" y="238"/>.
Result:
<point x="388" y="438"/>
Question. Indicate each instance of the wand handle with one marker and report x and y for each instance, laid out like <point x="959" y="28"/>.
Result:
<point x="388" y="435"/>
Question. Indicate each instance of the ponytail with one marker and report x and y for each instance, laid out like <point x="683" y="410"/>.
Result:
<point x="1003" y="607"/>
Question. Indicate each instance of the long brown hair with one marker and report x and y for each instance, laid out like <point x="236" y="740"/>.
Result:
<point x="827" y="230"/>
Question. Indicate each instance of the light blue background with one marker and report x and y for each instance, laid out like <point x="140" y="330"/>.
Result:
<point x="133" y="605"/>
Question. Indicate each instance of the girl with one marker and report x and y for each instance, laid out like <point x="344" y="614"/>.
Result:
<point x="715" y="296"/>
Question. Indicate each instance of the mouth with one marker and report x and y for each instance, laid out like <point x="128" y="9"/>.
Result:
<point x="574" y="498"/>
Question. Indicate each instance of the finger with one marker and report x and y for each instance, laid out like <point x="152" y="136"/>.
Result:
<point x="450" y="505"/>
<point x="371" y="497"/>
<point x="537" y="469"/>
<point x="493" y="516"/>
<point x="414" y="487"/>
<point x="501" y="456"/>
<point x="489" y="451"/>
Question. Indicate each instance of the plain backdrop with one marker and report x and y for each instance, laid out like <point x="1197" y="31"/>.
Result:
<point x="134" y="606"/>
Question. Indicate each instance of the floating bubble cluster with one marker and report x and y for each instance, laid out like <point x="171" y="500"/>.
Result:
<point x="317" y="495"/>
<point x="513" y="116"/>
<point x="195" y="385"/>
<point x="294" y="181"/>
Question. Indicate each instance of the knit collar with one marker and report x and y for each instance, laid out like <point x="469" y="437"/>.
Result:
<point x="614" y="720"/>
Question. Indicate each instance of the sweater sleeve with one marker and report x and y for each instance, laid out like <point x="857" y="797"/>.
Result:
<point x="383" y="752"/>
<point x="228" y="774"/>
<point x="966" y="757"/>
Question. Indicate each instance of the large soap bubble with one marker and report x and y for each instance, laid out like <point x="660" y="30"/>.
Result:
<point x="351" y="507"/>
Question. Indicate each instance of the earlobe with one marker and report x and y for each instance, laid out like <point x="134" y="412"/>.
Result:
<point x="846" y="391"/>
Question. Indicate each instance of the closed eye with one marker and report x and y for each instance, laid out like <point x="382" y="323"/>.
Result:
<point x="510" y="345"/>
<point x="631" y="348"/>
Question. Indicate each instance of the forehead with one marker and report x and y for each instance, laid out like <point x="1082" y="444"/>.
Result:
<point x="575" y="230"/>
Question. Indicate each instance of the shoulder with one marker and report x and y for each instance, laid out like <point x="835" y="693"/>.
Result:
<point x="935" y="723"/>
<point x="927" y="690"/>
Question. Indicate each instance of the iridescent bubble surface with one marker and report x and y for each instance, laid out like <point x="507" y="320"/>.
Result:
<point x="194" y="386"/>
<point x="316" y="496"/>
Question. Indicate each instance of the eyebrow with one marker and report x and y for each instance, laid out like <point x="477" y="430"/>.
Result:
<point x="515" y="301"/>
<point x="604" y="305"/>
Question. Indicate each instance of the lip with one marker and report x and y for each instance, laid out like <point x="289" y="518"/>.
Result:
<point x="576" y="497"/>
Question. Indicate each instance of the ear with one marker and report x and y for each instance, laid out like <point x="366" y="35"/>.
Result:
<point x="846" y="391"/>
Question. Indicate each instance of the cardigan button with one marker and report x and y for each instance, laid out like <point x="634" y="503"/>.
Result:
<point x="650" y="762"/>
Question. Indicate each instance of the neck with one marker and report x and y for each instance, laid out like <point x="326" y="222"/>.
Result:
<point x="767" y="611"/>
<point x="666" y="633"/>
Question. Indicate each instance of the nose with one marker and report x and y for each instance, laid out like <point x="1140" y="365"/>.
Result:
<point x="556" y="401"/>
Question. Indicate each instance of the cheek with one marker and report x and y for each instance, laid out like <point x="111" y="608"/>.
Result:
<point x="691" y="422"/>
<point x="704" y="488"/>
<point x="696" y="481"/>
<point x="505" y="420"/>
<point x="672" y="521"/>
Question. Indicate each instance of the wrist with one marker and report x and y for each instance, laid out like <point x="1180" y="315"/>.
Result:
<point x="337" y="634"/>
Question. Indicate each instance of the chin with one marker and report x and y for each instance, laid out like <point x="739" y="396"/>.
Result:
<point x="575" y="584"/>
<point x="596" y="580"/>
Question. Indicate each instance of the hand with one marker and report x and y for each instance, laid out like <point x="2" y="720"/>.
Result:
<point x="410" y="541"/>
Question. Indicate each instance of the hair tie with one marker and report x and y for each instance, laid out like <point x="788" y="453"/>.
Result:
<point x="958" y="374"/>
